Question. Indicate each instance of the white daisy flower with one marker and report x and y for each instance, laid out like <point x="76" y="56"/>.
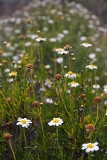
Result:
<point x="70" y="75"/>
<point x="92" y="56"/>
<point x="61" y="51"/>
<point x="96" y="86"/>
<point x="91" y="67"/>
<point x="24" y="122"/>
<point x="59" y="60"/>
<point x="47" y="66"/>
<point x="86" y="44"/>
<point x="73" y="84"/>
<point x="55" y="122"/>
<point x="49" y="100"/>
<point x="48" y="83"/>
<point x="90" y="147"/>
<point x="40" y="39"/>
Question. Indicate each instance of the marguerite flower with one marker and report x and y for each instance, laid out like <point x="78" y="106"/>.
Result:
<point x="48" y="83"/>
<point x="90" y="147"/>
<point x="61" y="51"/>
<point x="73" y="84"/>
<point x="96" y="86"/>
<point x="55" y="122"/>
<point x="40" y="39"/>
<point x="91" y="67"/>
<point x="59" y="60"/>
<point x="49" y="100"/>
<point x="12" y="74"/>
<point x="24" y="122"/>
<point x="70" y="75"/>
<point x="86" y="44"/>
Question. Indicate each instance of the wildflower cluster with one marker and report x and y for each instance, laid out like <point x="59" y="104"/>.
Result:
<point x="53" y="91"/>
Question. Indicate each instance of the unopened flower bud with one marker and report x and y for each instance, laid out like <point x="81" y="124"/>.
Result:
<point x="7" y="136"/>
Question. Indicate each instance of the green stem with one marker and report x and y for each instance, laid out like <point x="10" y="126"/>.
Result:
<point x="89" y="156"/>
<point x="59" y="144"/>
<point x="69" y="60"/>
<point x="97" y="116"/>
<point x="42" y="128"/>
<point x="24" y="138"/>
<point x="12" y="150"/>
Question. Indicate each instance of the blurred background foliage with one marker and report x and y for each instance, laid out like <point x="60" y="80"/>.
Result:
<point x="98" y="7"/>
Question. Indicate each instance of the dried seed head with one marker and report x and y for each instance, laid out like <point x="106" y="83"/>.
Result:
<point x="4" y="62"/>
<point x="26" y="58"/>
<point x="21" y="37"/>
<point x="67" y="46"/>
<point x="29" y="21"/>
<point x="83" y="96"/>
<point x="97" y="99"/>
<point x="58" y="76"/>
<point x="35" y="103"/>
<point x="7" y="136"/>
<point x="90" y="127"/>
<point x="29" y="66"/>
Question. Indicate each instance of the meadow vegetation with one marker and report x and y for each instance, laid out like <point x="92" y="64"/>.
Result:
<point x="53" y="84"/>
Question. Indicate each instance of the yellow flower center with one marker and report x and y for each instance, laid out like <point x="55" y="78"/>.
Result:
<point x="55" y="120"/>
<point x="91" y="65"/>
<point x="70" y="72"/>
<point x="86" y="43"/>
<point x="90" y="145"/>
<point x="73" y="82"/>
<point x="23" y="121"/>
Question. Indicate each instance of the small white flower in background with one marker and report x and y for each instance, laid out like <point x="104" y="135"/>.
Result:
<point x="8" y="45"/>
<point x="10" y="80"/>
<point x="96" y="86"/>
<point x="50" y="21"/>
<point x="98" y="49"/>
<point x="73" y="84"/>
<point x="48" y="83"/>
<point x="92" y="56"/>
<point x="86" y="45"/>
<point x="90" y="147"/>
<point x="91" y="67"/>
<point x="70" y="75"/>
<point x="105" y="90"/>
<point x="48" y="66"/>
<point x="105" y="102"/>
<point x="55" y="122"/>
<point x="59" y="60"/>
<point x="52" y="39"/>
<point x="83" y="38"/>
<point x="49" y="100"/>
<point x="7" y="70"/>
<point x="68" y="91"/>
<point x="61" y="51"/>
<point x="24" y="122"/>
<point x="106" y="113"/>
<point x="65" y="31"/>
<point x="34" y="36"/>
<point x="40" y="39"/>
<point x="27" y="44"/>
